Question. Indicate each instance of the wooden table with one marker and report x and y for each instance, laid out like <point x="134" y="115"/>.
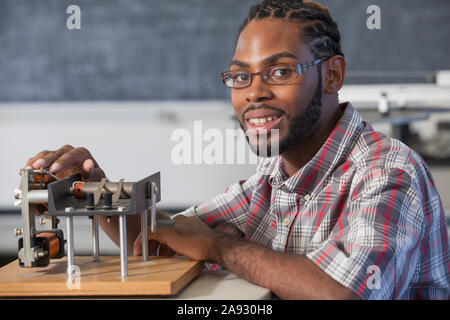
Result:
<point x="159" y="278"/>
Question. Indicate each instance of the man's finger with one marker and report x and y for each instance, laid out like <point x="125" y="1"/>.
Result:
<point x="32" y="160"/>
<point x="73" y="157"/>
<point x="46" y="158"/>
<point x="90" y="172"/>
<point x="152" y="245"/>
<point x="137" y="249"/>
<point x="88" y="165"/>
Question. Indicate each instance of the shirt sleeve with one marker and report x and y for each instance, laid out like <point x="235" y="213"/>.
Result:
<point x="373" y="247"/>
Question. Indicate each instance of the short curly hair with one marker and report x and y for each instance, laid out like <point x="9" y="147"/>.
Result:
<point x="320" y="30"/>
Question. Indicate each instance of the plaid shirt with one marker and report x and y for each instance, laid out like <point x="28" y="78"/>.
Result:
<point x="364" y="209"/>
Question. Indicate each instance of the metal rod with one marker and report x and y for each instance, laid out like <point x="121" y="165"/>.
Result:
<point x="144" y="234"/>
<point x="70" y="263"/>
<point x="45" y="171"/>
<point x="153" y="212"/>
<point x="123" y="246"/>
<point x="165" y="224"/>
<point x="28" y="222"/>
<point x="95" y="243"/>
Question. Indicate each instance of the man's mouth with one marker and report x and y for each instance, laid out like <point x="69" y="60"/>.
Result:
<point x="264" y="124"/>
<point x="263" y="120"/>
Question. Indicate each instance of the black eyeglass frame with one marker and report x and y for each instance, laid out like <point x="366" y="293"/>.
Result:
<point x="301" y="69"/>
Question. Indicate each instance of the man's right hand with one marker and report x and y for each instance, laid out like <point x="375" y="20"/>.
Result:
<point x="154" y="247"/>
<point x="68" y="161"/>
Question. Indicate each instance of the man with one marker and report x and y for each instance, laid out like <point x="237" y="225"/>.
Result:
<point x="341" y="212"/>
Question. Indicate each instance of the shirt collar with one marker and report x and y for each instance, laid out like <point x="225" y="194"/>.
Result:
<point x="332" y="153"/>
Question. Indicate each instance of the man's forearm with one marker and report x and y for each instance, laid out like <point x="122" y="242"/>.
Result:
<point x="289" y="276"/>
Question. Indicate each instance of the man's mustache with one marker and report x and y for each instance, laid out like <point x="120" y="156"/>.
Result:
<point x="264" y="106"/>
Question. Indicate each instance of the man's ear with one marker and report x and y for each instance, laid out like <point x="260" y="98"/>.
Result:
<point x="334" y="74"/>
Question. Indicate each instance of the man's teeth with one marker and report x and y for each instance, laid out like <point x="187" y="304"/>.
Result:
<point x="261" y="120"/>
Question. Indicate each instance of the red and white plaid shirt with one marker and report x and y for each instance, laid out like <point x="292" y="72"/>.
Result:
<point x="365" y="210"/>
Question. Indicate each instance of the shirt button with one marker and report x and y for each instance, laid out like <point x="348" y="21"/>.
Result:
<point x="307" y="197"/>
<point x="287" y="221"/>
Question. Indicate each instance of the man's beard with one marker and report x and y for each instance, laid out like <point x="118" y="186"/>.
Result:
<point x="301" y="124"/>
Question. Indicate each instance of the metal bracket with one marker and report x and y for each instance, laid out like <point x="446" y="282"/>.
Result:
<point x="98" y="192"/>
<point x="116" y="195"/>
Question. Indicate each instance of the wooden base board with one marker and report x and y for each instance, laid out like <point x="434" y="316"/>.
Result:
<point x="159" y="276"/>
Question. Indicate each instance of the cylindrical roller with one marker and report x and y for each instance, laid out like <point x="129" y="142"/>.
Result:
<point x="38" y="196"/>
<point x="79" y="189"/>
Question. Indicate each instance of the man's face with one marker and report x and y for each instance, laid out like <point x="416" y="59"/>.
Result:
<point x="292" y="108"/>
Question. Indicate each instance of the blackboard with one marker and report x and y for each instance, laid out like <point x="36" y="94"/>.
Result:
<point x="175" y="49"/>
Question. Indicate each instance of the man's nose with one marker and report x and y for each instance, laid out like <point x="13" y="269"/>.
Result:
<point x="259" y="90"/>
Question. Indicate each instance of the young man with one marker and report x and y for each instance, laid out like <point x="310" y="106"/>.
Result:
<point x="342" y="212"/>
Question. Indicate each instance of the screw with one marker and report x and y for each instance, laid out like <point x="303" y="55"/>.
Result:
<point x="17" y="193"/>
<point x="18" y="232"/>
<point x="40" y="254"/>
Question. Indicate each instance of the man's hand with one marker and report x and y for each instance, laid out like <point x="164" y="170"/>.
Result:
<point x="154" y="249"/>
<point x="190" y="237"/>
<point x="68" y="161"/>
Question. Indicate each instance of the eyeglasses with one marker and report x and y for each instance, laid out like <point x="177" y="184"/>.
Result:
<point x="278" y="74"/>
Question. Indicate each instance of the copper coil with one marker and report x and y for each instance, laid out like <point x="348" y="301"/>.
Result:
<point x="53" y="243"/>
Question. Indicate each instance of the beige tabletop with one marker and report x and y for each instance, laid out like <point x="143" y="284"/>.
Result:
<point x="222" y="285"/>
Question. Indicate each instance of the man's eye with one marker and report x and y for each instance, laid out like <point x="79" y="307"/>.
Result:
<point x="241" y="77"/>
<point x="281" y="72"/>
